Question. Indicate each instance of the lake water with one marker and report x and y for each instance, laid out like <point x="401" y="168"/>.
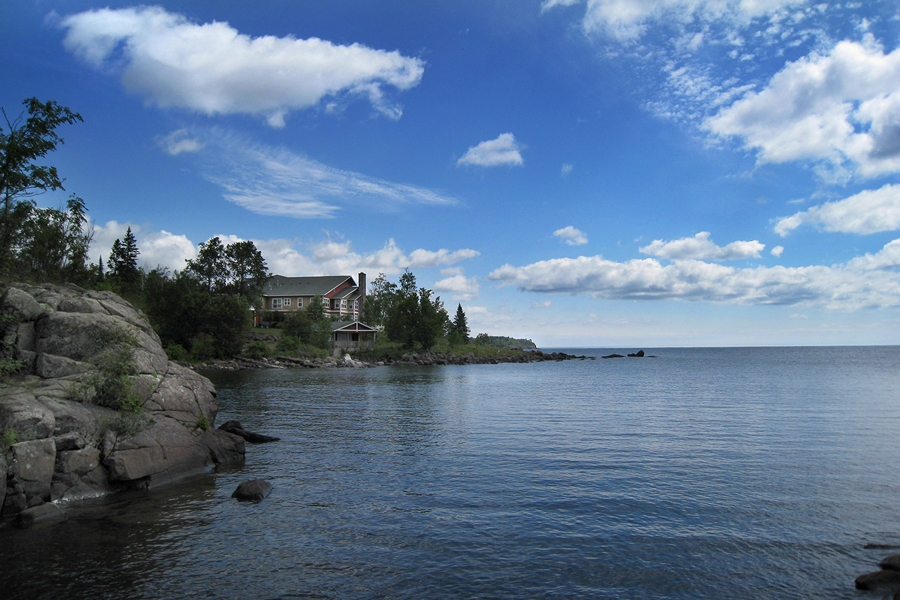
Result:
<point x="702" y="473"/>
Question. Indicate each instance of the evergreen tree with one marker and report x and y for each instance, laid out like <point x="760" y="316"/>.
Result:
<point x="460" y="327"/>
<point x="122" y="261"/>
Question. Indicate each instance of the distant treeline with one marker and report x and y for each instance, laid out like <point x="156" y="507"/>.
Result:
<point x="502" y="341"/>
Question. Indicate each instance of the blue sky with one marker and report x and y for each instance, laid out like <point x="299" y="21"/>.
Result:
<point x="612" y="173"/>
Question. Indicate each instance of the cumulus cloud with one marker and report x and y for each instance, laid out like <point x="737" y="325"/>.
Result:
<point x="214" y="69"/>
<point x="870" y="211"/>
<point x="700" y="247"/>
<point x="494" y="153"/>
<point x="454" y="282"/>
<point x="292" y="258"/>
<point x="866" y="282"/>
<point x="157" y="249"/>
<point x="571" y="236"/>
<point x="278" y="182"/>
<point x="841" y="108"/>
<point x="777" y="251"/>
<point x="289" y="257"/>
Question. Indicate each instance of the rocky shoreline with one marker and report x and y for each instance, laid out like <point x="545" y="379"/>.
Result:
<point x="412" y="359"/>
<point x="60" y="444"/>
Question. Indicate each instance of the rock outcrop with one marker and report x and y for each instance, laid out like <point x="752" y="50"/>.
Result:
<point x="57" y="443"/>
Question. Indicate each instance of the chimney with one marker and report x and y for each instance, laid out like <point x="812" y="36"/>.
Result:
<point x="361" y="281"/>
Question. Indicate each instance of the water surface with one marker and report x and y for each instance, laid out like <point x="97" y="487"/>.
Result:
<point x="702" y="473"/>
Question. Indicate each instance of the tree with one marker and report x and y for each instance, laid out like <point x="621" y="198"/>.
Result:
<point x="55" y="243"/>
<point x="316" y="309"/>
<point x="122" y="261"/>
<point x="211" y="266"/>
<point x="459" y="329"/>
<point x="413" y="316"/>
<point x="21" y="144"/>
<point x="247" y="269"/>
<point x="379" y="300"/>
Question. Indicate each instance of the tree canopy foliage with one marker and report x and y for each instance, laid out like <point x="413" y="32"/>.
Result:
<point x="50" y="244"/>
<point x="238" y="268"/>
<point x="410" y="315"/>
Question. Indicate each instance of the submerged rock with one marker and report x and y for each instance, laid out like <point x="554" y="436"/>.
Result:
<point x="62" y="446"/>
<point x="252" y="491"/>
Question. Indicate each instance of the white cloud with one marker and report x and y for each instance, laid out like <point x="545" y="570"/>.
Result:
<point x="870" y="211"/>
<point x="566" y="169"/>
<point x="866" y="282"/>
<point x="275" y="181"/>
<point x="777" y="251"/>
<point x="627" y="20"/>
<point x="700" y="247"/>
<point x="159" y="248"/>
<point x="548" y="4"/>
<point x="546" y="304"/>
<point x="214" y="69"/>
<point x="493" y="153"/>
<point x="888" y="258"/>
<point x="180" y="141"/>
<point x="841" y="109"/>
<point x="571" y="236"/>
<point x="462" y="288"/>
<point x="287" y="257"/>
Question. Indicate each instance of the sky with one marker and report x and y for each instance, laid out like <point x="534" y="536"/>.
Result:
<point x="593" y="173"/>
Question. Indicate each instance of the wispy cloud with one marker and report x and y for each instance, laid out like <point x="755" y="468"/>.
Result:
<point x="700" y="247"/>
<point x="502" y="151"/>
<point x="214" y="69"/>
<point x="276" y="181"/>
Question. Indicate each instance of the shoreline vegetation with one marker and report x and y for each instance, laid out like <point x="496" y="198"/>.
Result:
<point x="263" y="353"/>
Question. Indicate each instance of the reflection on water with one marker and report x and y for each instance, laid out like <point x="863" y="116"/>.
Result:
<point x="699" y="474"/>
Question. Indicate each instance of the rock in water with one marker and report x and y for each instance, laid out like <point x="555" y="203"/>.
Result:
<point x="254" y="490"/>
<point x="879" y="580"/>
<point x="236" y="428"/>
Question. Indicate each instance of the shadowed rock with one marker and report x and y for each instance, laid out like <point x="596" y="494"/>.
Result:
<point x="236" y="428"/>
<point x="62" y="445"/>
<point x="252" y="491"/>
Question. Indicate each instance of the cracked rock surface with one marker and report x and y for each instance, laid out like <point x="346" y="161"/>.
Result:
<point x="57" y="445"/>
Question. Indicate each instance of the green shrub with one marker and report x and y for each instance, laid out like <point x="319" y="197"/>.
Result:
<point x="289" y="345"/>
<point x="177" y="352"/>
<point x="257" y="350"/>
<point x="8" y="439"/>
<point x="203" y="347"/>
<point x="203" y="423"/>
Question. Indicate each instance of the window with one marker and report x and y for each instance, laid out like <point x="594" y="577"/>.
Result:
<point x="299" y="302"/>
<point x="287" y="301"/>
<point x="276" y="303"/>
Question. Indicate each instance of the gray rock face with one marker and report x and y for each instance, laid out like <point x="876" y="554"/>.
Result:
<point x="58" y="446"/>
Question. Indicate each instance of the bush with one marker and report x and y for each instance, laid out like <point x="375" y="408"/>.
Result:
<point x="177" y="352"/>
<point x="203" y="347"/>
<point x="289" y="345"/>
<point x="257" y="350"/>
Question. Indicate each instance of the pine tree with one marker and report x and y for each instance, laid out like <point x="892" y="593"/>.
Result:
<point x="460" y="325"/>
<point x="122" y="261"/>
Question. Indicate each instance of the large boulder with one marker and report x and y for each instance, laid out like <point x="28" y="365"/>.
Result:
<point x="57" y="444"/>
